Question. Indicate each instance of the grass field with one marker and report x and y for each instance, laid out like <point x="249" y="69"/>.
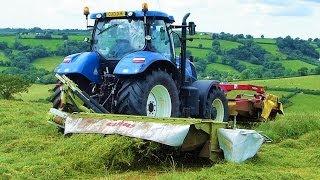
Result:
<point x="48" y="63"/>
<point x="265" y="40"/>
<point x="30" y="148"/>
<point x="295" y="65"/>
<point x="249" y="65"/>
<point x="3" y="57"/>
<point x="51" y="44"/>
<point x="227" y="45"/>
<point x="200" y="53"/>
<point x="221" y="68"/>
<point x="307" y="82"/>
<point x="2" y="68"/>
<point x="205" y="43"/>
<point x="36" y="92"/>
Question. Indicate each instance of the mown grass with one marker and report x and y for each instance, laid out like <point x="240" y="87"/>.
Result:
<point x="295" y="65"/>
<point x="48" y="63"/>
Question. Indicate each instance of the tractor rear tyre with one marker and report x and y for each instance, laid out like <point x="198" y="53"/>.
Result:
<point x="217" y="106"/>
<point x="155" y="96"/>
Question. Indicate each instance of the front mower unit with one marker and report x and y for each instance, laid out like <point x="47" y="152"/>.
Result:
<point x="185" y="134"/>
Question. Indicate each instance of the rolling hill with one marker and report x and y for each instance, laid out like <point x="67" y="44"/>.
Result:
<point x="48" y="63"/>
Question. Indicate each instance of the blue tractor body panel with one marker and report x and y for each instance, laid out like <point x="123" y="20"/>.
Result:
<point x="138" y="62"/>
<point x="86" y="64"/>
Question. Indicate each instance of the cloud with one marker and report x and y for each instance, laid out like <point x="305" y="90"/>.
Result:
<point x="296" y="11"/>
<point x="272" y="18"/>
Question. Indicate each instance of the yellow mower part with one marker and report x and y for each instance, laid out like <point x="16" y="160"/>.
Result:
<point x="271" y="103"/>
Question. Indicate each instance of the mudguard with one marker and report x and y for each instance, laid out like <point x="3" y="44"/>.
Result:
<point x="86" y="64"/>
<point x="204" y="86"/>
<point x="138" y="62"/>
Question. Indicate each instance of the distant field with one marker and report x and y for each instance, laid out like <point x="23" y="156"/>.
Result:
<point x="51" y="44"/>
<point x="295" y="65"/>
<point x="205" y="43"/>
<point x="304" y="103"/>
<point x="227" y="45"/>
<point x="249" y="65"/>
<point x="305" y="82"/>
<point x="273" y="49"/>
<point x="2" y="68"/>
<point x="200" y="35"/>
<point x="36" y="92"/>
<point x="265" y="40"/>
<point x="3" y="57"/>
<point x="48" y="63"/>
<point x="220" y="67"/>
<point x="201" y="53"/>
<point x="9" y="39"/>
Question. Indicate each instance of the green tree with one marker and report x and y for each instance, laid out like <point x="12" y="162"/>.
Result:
<point x="212" y="57"/>
<point x="303" y="71"/>
<point x="317" y="70"/>
<point x="11" y="84"/>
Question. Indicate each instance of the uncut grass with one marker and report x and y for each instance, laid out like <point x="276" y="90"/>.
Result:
<point x="31" y="148"/>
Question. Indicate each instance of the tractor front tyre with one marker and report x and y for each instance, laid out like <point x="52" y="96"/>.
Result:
<point x="217" y="106"/>
<point x="155" y="96"/>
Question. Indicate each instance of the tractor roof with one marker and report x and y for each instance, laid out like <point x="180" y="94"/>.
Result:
<point x="136" y="14"/>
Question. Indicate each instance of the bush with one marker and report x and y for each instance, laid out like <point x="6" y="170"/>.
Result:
<point x="72" y="47"/>
<point x="10" y="85"/>
<point x="303" y="71"/>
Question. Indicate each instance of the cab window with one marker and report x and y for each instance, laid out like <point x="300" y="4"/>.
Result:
<point x="160" y="40"/>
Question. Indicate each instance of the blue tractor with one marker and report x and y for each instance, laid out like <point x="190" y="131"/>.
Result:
<point x="133" y="69"/>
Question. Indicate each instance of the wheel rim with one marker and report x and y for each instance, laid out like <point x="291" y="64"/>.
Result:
<point x="217" y="106"/>
<point x="159" y="102"/>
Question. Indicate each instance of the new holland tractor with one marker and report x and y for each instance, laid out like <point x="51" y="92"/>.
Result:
<point x="133" y="69"/>
<point x="132" y="83"/>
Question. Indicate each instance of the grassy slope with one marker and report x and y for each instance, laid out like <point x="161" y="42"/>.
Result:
<point x="220" y="67"/>
<point x="227" y="45"/>
<point x="249" y="65"/>
<point x="3" y="68"/>
<point x="51" y="44"/>
<point x="48" y="63"/>
<point x="35" y="150"/>
<point x="3" y="57"/>
<point x="307" y="82"/>
<point x="295" y="65"/>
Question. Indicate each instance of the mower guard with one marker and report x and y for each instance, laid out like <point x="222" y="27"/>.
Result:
<point x="186" y="134"/>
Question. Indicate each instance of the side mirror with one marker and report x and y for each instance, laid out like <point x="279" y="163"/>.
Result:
<point x="192" y="28"/>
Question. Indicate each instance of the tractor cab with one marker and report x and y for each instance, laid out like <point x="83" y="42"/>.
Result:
<point x="116" y="34"/>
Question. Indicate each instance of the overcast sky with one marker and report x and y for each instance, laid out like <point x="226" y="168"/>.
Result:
<point x="273" y="18"/>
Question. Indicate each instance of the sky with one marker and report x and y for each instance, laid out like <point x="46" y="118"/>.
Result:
<point x="271" y="18"/>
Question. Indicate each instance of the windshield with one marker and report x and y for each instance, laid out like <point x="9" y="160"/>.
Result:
<point x="118" y="37"/>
